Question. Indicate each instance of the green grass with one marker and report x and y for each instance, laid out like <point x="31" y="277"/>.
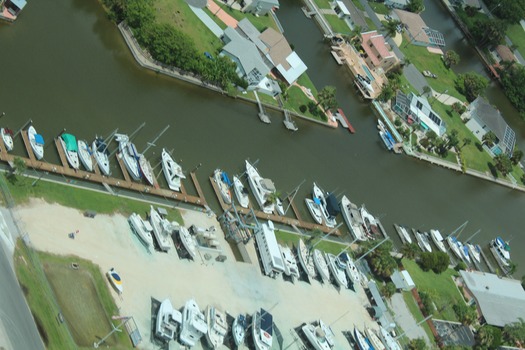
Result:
<point x="304" y="80"/>
<point x="295" y="99"/>
<point x="323" y="4"/>
<point x="516" y="34"/>
<point x="80" y="199"/>
<point x="358" y="4"/>
<point x="440" y="287"/>
<point x="418" y="316"/>
<point x="337" y="24"/>
<point x="379" y="8"/>
<point x="470" y="21"/>
<point x="260" y="22"/>
<point x="215" y="19"/>
<point x="267" y="99"/>
<point x="371" y="25"/>
<point x="291" y="239"/>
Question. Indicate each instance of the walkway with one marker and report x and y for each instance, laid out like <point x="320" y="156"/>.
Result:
<point x="220" y="14"/>
<point x="403" y="317"/>
<point x="208" y="22"/>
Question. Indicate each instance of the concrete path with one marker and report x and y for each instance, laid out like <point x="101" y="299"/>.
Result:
<point x="405" y="320"/>
<point x="223" y="16"/>
<point x="208" y="22"/>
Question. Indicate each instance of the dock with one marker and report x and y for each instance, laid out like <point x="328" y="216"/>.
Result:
<point x="398" y="230"/>
<point x="340" y="115"/>
<point x="487" y="262"/>
<point x="288" y="121"/>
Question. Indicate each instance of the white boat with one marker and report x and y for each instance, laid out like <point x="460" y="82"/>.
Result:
<point x="146" y="170"/>
<point x="353" y="218"/>
<point x="453" y="244"/>
<point x="269" y="251"/>
<point x="403" y="234"/>
<point x="262" y="330"/>
<point x="501" y="251"/>
<point x="290" y="264"/>
<point x="100" y="149"/>
<point x="84" y="153"/>
<point x="463" y="249"/>
<point x="321" y="196"/>
<point x="193" y="324"/>
<point x="239" y="330"/>
<point x="142" y="229"/>
<point x="7" y="137"/>
<point x="36" y="141"/>
<point x="305" y="259"/>
<point x="474" y="251"/>
<point x="70" y="146"/>
<point x="360" y="340"/>
<point x="217" y="327"/>
<point x="338" y="270"/>
<point x="241" y="192"/>
<point x="438" y="240"/>
<point x="321" y="265"/>
<point x="320" y="336"/>
<point x="388" y="340"/>
<point x="314" y="210"/>
<point x="223" y="184"/>
<point x="422" y="241"/>
<point x="365" y="82"/>
<point x="369" y="223"/>
<point x="262" y="188"/>
<point x="168" y="321"/>
<point x="187" y="241"/>
<point x="115" y="280"/>
<point x="351" y="270"/>
<point x="376" y="343"/>
<point x="172" y="171"/>
<point x="129" y="155"/>
<point x="162" y="230"/>
<point x="279" y="208"/>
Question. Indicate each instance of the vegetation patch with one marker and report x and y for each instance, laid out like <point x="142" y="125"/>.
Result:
<point x="379" y="8"/>
<point x="418" y="316"/>
<point x="292" y="239"/>
<point x="337" y="24"/>
<point x="516" y="34"/>
<point x="323" y="4"/>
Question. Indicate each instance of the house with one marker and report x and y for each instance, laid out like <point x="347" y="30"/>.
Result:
<point x="498" y="299"/>
<point x="377" y="53"/>
<point x="341" y="10"/>
<point x="397" y="4"/>
<point x="259" y="7"/>
<point x="417" y="30"/>
<point x="402" y="280"/>
<point x="503" y="53"/>
<point x="416" y="110"/>
<point x="482" y="118"/>
<point x="15" y="6"/>
<point x="355" y="17"/>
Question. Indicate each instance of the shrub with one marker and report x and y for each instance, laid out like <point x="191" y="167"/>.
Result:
<point x="435" y="261"/>
<point x="303" y="108"/>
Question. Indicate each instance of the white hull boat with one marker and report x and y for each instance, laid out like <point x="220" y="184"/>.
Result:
<point x="129" y="155"/>
<point x="306" y="260"/>
<point x="360" y="340"/>
<point x="369" y="223"/>
<point x="438" y="240"/>
<point x="36" y="141"/>
<point x="376" y="343"/>
<point x="187" y="241"/>
<point x="403" y="234"/>
<point x="100" y="149"/>
<point x="239" y="330"/>
<point x="261" y="188"/>
<point x="162" y="230"/>
<point x="142" y="229"/>
<point x="388" y="340"/>
<point x="290" y="264"/>
<point x="172" y="171"/>
<point x="147" y="171"/>
<point x="224" y="189"/>
<point x="351" y="270"/>
<point x="320" y="195"/>
<point x="453" y="244"/>
<point x="262" y="330"/>
<point x="7" y="137"/>
<point x="84" y="153"/>
<point x="217" y="327"/>
<point x="321" y="265"/>
<point x="70" y="146"/>
<point x="115" y="280"/>
<point x="474" y="251"/>
<point x="352" y="218"/>
<point x="338" y="270"/>
<point x="168" y="321"/>
<point x="314" y="210"/>
<point x="279" y="208"/>
<point x="241" y="192"/>
<point x="463" y="249"/>
<point x="501" y="251"/>
<point x="320" y="336"/>
<point x="193" y="324"/>
<point x="422" y="241"/>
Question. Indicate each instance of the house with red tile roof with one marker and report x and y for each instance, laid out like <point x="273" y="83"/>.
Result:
<point x="377" y="53"/>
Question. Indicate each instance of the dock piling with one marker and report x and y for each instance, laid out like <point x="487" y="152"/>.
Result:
<point x="30" y="121"/>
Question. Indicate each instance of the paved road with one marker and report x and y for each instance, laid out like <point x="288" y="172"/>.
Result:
<point x="405" y="320"/>
<point x="17" y="327"/>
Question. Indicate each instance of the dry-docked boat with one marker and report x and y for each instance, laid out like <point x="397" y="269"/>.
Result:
<point x="376" y="343"/>
<point x="305" y="259"/>
<point x="217" y="327"/>
<point x="115" y="280"/>
<point x="290" y="264"/>
<point x="193" y="324"/>
<point x="269" y="251"/>
<point x="321" y="265"/>
<point x="351" y="270"/>
<point x="262" y="330"/>
<point x="338" y="270"/>
<point x="188" y="241"/>
<point x="320" y="335"/>
<point x="239" y="330"/>
<point x="361" y="340"/>
<point x="168" y="321"/>
<point x="142" y="229"/>
<point x="388" y="340"/>
<point x="162" y="230"/>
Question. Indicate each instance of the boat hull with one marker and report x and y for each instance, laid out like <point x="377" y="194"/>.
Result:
<point x="115" y="280"/>
<point x="306" y="264"/>
<point x="7" y="139"/>
<point x="314" y="210"/>
<point x="101" y="156"/>
<point x="84" y="154"/>
<point x="321" y="266"/>
<point x="261" y="197"/>
<point x="240" y="192"/>
<point x="172" y="171"/>
<point x="38" y="149"/>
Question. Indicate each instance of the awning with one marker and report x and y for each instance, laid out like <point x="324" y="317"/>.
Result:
<point x="71" y="142"/>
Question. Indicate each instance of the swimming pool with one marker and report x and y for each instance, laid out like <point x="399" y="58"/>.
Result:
<point x="368" y="73"/>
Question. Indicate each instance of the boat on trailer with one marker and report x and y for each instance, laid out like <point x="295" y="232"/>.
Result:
<point x="115" y="280"/>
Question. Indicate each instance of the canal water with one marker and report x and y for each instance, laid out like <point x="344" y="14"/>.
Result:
<point x="64" y="65"/>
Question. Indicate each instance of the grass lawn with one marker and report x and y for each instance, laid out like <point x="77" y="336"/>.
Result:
<point x="371" y="25"/>
<point x="517" y="35"/>
<point x="323" y="4"/>
<point x="291" y="239"/>
<point x="80" y="199"/>
<point x="304" y="80"/>
<point x="418" y="316"/>
<point x="337" y="24"/>
<point x="358" y="4"/>
<point x="441" y="288"/>
<point x="297" y="98"/>
<point x="215" y="19"/>
<point x="260" y="22"/>
<point x="379" y="8"/>
<point x="470" y="21"/>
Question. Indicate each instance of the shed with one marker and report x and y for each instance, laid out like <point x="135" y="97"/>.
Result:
<point x="403" y="280"/>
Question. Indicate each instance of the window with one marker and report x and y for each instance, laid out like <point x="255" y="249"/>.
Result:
<point x="419" y="105"/>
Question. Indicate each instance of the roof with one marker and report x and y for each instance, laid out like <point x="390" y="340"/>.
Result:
<point x="402" y="280"/>
<point x="297" y="67"/>
<point x="501" y="300"/>
<point x="71" y="142"/>
<point x="277" y="47"/>
<point x="377" y="41"/>
<point x="414" y="24"/>
<point x="343" y="8"/>
<point x="249" y="31"/>
<point x="19" y="3"/>
<point x="420" y="110"/>
<point x="357" y="15"/>
<point x="505" y="53"/>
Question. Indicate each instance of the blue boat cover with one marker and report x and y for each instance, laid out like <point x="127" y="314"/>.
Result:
<point x="317" y="201"/>
<point x="226" y="179"/>
<point x="39" y="139"/>
<point x="266" y="321"/>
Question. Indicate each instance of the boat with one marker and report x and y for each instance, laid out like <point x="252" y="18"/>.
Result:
<point x="438" y="240"/>
<point x="305" y="259"/>
<point x="279" y="208"/>
<point x="321" y="265"/>
<point x="361" y="341"/>
<point x="403" y="234"/>
<point x="501" y="251"/>
<point x="7" y="137"/>
<point x="474" y="251"/>
<point x="353" y="218"/>
<point x="261" y="188"/>
<point x="388" y="340"/>
<point x="187" y="241"/>
<point x="142" y="229"/>
<point x="351" y="270"/>
<point x="85" y="155"/>
<point x="338" y="270"/>
<point x="262" y="330"/>
<point x="172" y="171"/>
<point x="146" y="170"/>
<point x="320" y="336"/>
<point x="161" y="229"/>
<point x="36" y="141"/>
<point x="193" y="324"/>
<point x="115" y="280"/>
<point x="239" y="330"/>
<point x="168" y="321"/>
<point x="463" y="249"/>
<point x="365" y="82"/>
<point x="217" y="327"/>
<point x="241" y="192"/>
<point x="129" y="155"/>
<point x="374" y="340"/>
<point x="318" y="194"/>
<point x="369" y="223"/>
<point x="290" y="264"/>
<point x="223" y="184"/>
<point x="314" y="209"/>
<point x="269" y="251"/>
<point x="100" y="149"/>
<point x="452" y="243"/>
<point x="70" y="146"/>
<point x="422" y="241"/>
<point x="386" y="141"/>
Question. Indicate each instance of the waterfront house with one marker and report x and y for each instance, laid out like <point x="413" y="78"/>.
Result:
<point x="259" y="7"/>
<point x="416" y="110"/>
<point x="502" y="54"/>
<point x="398" y="4"/>
<point x="340" y="9"/>
<point x="377" y="53"/>
<point x="10" y="9"/>
<point x="417" y="30"/>
<point x="351" y="14"/>
<point x="482" y="118"/>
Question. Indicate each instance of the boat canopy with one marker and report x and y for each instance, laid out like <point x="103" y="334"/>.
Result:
<point x="503" y="244"/>
<point x="226" y="179"/>
<point x="71" y="142"/>
<point x="268" y="185"/>
<point x="39" y="139"/>
<point x="317" y="201"/>
<point x="332" y="206"/>
<point x="266" y="321"/>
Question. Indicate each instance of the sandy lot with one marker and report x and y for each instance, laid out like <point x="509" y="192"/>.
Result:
<point x="232" y="286"/>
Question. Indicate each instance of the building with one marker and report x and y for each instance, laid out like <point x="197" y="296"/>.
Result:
<point x="269" y="251"/>
<point x="397" y="4"/>
<point x="503" y="53"/>
<point x="402" y="280"/>
<point x="416" y="110"/>
<point x="499" y="300"/>
<point x="259" y="7"/>
<point x="354" y="18"/>
<point x="377" y="53"/>
<point x="482" y="118"/>
<point x="417" y="30"/>
<point x="10" y="9"/>
<point x="340" y="9"/>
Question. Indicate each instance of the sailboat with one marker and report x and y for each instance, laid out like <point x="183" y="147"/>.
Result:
<point x="129" y="155"/>
<point x="100" y="150"/>
<point x="84" y="154"/>
<point x="172" y="171"/>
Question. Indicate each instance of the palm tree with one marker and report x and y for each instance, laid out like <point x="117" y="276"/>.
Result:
<point x="391" y="27"/>
<point x="516" y="156"/>
<point x="489" y="138"/>
<point x="466" y="141"/>
<point x="511" y="269"/>
<point x="272" y="198"/>
<point x="410" y="250"/>
<point x="326" y="97"/>
<point x="451" y="58"/>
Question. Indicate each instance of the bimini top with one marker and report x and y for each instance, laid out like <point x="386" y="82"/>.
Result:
<point x="71" y="142"/>
<point x="39" y="139"/>
<point x="226" y="179"/>
<point x="332" y="205"/>
<point x="266" y="321"/>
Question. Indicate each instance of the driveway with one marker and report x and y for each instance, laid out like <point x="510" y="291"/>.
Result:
<point x="405" y="320"/>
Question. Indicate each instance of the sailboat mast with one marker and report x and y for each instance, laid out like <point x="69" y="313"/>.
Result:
<point x="152" y="143"/>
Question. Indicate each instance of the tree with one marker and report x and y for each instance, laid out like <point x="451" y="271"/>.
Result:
<point x="139" y="13"/>
<point x="489" y="138"/>
<point x="388" y="290"/>
<point x="503" y="163"/>
<point x="488" y="337"/>
<point x="489" y="32"/>
<point x="466" y="314"/>
<point x="391" y="27"/>
<point x="380" y="260"/>
<point x="19" y="166"/>
<point x="453" y="140"/>
<point x="513" y="82"/>
<point x="427" y="90"/>
<point x="511" y="269"/>
<point x="410" y="250"/>
<point x="316" y="233"/>
<point x="511" y="11"/>
<point x="451" y="58"/>
<point x="435" y="261"/>
<point x="514" y="332"/>
<point x="326" y="98"/>
<point x="417" y="344"/>
<point x="415" y="6"/>
<point x="517" y="155"/>
<point x="471" y="85"/>
<point x="466" y="141"/>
